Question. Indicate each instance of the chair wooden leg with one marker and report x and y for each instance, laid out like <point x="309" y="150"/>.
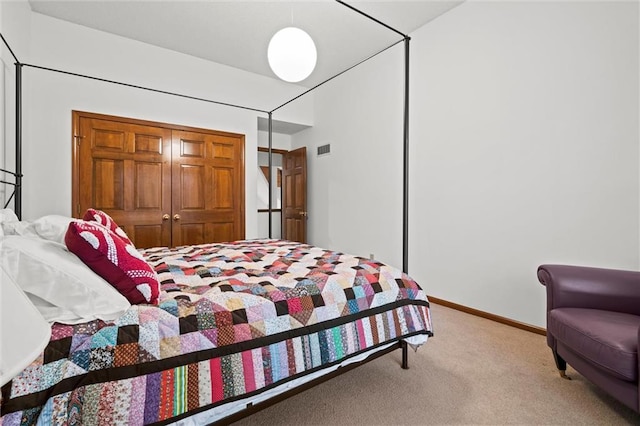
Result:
<point x="561" y="364"/>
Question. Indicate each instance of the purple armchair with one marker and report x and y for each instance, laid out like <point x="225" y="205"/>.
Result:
<point x="593" y="323"/>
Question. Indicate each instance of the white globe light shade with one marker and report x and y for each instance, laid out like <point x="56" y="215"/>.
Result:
<point x="292" y="54"/>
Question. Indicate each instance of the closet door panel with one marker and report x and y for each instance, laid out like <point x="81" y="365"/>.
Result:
<point x="108" y="177"/>
<point x="148" y="236"/>
<point x="125" y="170"/>
<point x="192" y="179"/>
<point x="223" y="231"/>
<point x="195" y="233"/>
<point x="208" y="188"/>
<point x="148" y="144"/>
<point x="222" y="192"/>
<point x="108" y="139"/>
<point x="147" y="193"/>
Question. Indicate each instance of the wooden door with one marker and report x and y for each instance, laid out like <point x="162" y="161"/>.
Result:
<point x="125" y="170"/>
<point x="208" y="188"/>
<point x="165" y="185"/>
<point x="294" y="195"/>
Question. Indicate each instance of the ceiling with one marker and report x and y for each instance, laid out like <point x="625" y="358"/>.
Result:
<point x="237" y="33"/>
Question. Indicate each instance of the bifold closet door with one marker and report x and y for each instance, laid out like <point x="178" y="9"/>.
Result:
<point x="165" y="185"/>
<point x="125" y="170"/>
<point x="208" y="188"/>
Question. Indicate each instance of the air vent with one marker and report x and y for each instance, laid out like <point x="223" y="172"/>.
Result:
<point x="324" y="149"/>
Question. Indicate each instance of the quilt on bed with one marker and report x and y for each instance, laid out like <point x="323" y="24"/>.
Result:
<point x="233" y="319"/>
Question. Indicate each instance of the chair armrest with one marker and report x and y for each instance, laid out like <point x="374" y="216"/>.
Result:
<point x="594" y="288"/>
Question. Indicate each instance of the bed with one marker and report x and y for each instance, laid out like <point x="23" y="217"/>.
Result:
<point x="235" y="324"/>
<point x="233" y="327"/>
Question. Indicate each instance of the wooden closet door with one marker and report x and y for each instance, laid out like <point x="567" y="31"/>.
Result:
<point x="208" y="187"/>
<point x="125" y="170"/>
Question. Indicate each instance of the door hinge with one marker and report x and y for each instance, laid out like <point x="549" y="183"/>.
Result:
<point x="78" y="138"/>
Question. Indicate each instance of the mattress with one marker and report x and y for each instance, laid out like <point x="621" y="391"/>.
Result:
<point x="234" y="321"/>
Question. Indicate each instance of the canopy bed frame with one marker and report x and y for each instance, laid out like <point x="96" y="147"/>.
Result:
<point x="405" y="165"/>
<point x="398" y="343"/>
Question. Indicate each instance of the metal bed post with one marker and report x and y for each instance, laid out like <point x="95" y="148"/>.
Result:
<point x="269" y="180"/>
<point x="405" y="354"/>
<point x="405" y="160"/>
<point x="18" y="167"/>
<point x="405" y="182"/>
<point x="17" y="185"/>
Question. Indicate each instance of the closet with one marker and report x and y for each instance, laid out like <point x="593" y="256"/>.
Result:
<point x="165" y="185"/>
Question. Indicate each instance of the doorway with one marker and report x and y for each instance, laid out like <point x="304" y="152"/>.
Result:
<point x="288" y="182"/>
<point x="264" y="180"/>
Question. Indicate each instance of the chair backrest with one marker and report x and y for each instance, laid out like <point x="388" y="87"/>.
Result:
<point x="595" y="288"/>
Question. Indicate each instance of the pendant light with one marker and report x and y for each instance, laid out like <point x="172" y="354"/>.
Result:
<point x="292" y="54"/>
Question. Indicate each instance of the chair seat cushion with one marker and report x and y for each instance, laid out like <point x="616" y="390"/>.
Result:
<point x="607" y="339"/>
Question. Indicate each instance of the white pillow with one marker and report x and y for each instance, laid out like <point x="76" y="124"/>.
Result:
<point x="8" y="220"/>
<point x="52" y="227"/>
<point x="7" y="215"/>
<point x="61" y="286"/>
<point x="18" y="228"/>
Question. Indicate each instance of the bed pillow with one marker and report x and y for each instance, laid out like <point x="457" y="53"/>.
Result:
<point x="92" y="215"/>
<point x="10" y="224"/>
<point x="7" y="215"/>
<point x="18" y="228"/>
<point x="118" y="262"/>
<point x="52" y="227"/>
<point x="59" y="284"/>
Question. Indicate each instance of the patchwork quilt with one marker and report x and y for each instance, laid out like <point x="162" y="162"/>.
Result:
<point x="234" y="319"/>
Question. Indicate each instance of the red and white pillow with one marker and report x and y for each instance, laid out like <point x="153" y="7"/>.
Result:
<point x="92" y="215"/>
<point x="115" y="259"/>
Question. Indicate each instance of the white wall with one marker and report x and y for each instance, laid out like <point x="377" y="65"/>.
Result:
<point x="263" y="225"/>
<point x="278" y="141"/>
<point x="524" y="150"/>
<point x="58" y="44"/>
<point x="355" y="192"/>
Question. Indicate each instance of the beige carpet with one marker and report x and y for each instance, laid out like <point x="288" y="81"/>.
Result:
<point x="473" y="371"/>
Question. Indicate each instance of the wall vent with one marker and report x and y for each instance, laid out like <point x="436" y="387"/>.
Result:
<point x="324" y="149"/>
